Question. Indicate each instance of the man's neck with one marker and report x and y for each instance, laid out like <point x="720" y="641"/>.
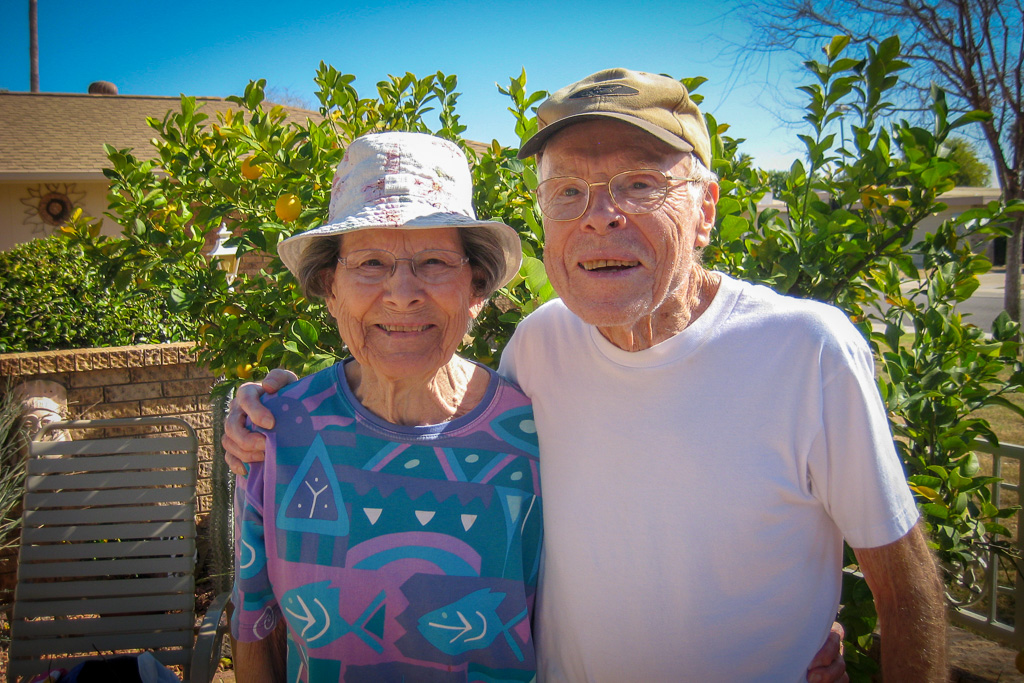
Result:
<point x="672" y="317"/>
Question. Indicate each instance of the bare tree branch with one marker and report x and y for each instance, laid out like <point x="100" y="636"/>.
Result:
<point x="973" y="49"/>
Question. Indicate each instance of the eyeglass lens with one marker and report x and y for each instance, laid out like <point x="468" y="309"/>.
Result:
<point x="431" y="265"/>
<point x="567" y="198"/>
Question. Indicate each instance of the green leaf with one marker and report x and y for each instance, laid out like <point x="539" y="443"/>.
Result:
<point x="924" y="480"/>
<point x="530" y="177"/>
<point x="970" y="464"/>
<point x="533" y="272"/>
<point x="1006" y="403"/>
<point x="305" y="333"/>
<point x="732" y="228"/>
<point x="226" y="187"/>
<point x="836" y="46"/>
<point x="998" y="529"/>
<point x="727" y="205"/>
<point x="935" y="510"/>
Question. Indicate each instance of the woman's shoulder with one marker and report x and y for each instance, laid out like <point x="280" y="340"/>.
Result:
<point x="325" y="380"/>
<point x="506" y="395"/>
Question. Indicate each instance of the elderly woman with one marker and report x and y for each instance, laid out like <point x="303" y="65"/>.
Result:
<point x="395" y="526"/>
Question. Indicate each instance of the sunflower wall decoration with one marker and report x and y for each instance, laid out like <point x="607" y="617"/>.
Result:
<point x="50" y="205"/>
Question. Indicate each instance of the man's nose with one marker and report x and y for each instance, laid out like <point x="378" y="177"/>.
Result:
<point x="602" y="213"/>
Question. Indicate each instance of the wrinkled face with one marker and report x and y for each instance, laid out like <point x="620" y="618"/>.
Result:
<point x="402" y="328"/>
<point x="609" y="267"/>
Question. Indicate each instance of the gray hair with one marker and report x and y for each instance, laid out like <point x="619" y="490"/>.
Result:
<point x="704" y="177"/>
<point x="481" y="245"/>
<point x="702" y="173"/>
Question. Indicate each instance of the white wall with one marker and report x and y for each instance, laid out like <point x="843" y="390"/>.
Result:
<point x="19" y="200"/>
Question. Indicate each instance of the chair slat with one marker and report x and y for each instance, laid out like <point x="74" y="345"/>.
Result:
<point x="52" y="534"/>
<point x="114" y="549"/>
<point x="150" y="623"/>
<point x="73" y="645"/>
<point x="156" y="443"/>
<point x="101" y="588"/>
<point x="148" y="496"/>
<point x="50" y="608"/>
<point x="108" y="515"/>
<point x="108" y="480"/>
<point x="128" y="566"/>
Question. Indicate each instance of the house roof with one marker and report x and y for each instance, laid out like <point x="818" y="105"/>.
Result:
<point x="61" y="135"/>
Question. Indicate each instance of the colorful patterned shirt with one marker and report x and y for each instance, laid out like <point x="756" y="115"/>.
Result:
<point x="393" y="553"/>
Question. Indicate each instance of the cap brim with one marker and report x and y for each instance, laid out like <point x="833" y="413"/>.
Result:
<point x="534" y="144"/>
<point x="290" y="250"/>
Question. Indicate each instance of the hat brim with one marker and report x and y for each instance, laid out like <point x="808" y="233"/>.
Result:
<point x="290" y="250"/>
<point x="540" y="138"/>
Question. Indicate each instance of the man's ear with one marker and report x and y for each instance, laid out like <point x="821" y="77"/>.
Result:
<point x="702" y="235"/>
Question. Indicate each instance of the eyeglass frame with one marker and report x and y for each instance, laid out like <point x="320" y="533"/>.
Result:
<point x="462" y="261"/>
<point x="608" y="182"/>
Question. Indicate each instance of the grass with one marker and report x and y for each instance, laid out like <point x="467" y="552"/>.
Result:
<point x="1006" y="424"/>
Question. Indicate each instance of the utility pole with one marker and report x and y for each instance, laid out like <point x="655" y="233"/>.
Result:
<point x="33" y="46"/>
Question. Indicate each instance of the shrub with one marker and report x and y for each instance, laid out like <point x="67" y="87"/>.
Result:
<point x="52" y="296"/>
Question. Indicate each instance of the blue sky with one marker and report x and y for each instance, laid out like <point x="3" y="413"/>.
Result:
<point x="214" y="48"/>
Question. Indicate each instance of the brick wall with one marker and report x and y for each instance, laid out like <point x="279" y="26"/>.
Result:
<point x="128" y="381"/>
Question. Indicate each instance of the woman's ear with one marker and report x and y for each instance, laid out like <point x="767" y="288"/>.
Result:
<point x="476" y="305"/>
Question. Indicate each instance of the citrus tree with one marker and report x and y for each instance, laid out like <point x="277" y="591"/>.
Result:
<point x="265" y="176"/>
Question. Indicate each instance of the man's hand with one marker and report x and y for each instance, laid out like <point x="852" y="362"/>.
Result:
<point x="909" y="598"/>
<point x="828" y="666"/>
<point x="242" y="445"/>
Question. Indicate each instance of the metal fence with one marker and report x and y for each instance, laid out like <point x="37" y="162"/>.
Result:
<point x="989" y="596"/>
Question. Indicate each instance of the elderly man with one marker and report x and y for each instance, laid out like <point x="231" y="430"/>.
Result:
<point x="706" y="444"/>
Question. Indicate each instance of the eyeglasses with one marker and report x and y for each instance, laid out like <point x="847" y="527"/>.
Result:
<point x="566" y="198"/>
<point x="433" y="266"/>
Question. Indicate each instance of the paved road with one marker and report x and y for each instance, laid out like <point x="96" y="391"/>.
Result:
<point x="987" y="302"/>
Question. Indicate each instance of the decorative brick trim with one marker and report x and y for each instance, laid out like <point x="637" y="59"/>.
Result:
<point x="128" y="381"/>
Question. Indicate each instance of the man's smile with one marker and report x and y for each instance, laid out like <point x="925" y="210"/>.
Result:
<point x="608" y="264"/>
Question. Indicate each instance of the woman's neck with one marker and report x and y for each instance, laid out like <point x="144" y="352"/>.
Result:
<point x="452" y="391"/>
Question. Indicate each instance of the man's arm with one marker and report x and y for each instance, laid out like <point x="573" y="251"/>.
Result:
<point x="262" y="661"/>
<point x="909" y="598"/>
<point x="241" y="445"/>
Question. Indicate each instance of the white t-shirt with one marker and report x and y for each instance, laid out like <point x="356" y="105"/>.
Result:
<point x="697" y="493"/>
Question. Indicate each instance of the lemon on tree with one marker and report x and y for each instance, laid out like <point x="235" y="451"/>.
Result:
<point x="288" y="207"/>
<point x="250" y="170"/>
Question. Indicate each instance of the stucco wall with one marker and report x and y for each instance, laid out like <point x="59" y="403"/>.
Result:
<point x="19" y="202"/>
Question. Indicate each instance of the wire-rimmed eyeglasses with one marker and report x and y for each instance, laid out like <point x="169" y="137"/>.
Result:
<point x="565" y="198"/>
<point x="433" y="266"/>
